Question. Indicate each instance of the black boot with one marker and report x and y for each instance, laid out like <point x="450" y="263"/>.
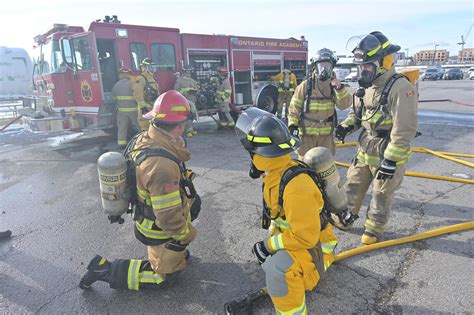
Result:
<point x="98" y="270"/>
<point x="5" y="235"/>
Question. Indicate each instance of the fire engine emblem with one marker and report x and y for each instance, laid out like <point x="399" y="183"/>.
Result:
<point x="86" y="91"/>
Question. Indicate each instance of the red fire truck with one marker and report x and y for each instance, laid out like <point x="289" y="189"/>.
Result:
<point x="75" y="70"/>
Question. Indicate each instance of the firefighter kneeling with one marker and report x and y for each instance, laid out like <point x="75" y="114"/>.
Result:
<point x="301" y="248"/>
<point x="166" y="201"/>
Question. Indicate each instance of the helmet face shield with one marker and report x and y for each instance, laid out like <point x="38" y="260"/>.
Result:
<point x="324" y="70"/>
<point x="367" y="74"/>
<point x="244" y="123"/>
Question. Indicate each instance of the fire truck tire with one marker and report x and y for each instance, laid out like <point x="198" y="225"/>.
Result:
<point x="268" y="100"/>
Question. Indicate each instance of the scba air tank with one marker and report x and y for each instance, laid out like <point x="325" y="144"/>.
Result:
<point x="115" y="196"/>
<point x="320" y="160"/>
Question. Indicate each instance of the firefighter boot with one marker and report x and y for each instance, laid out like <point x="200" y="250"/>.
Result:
<point x="98" y="270"/>
<point x="339" y="224"/>
<point x="368" y="238"/>
<point x="5" y="235"/>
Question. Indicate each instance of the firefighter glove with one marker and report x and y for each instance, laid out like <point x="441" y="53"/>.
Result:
<point x="341" y="132"/>
<point x="260" y="251"/>
<point x="386" y="169"/>
<point x="294" y="131"/>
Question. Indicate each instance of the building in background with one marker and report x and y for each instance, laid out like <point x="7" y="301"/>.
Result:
<point x="426" y="57"/>
<point x="466" y="55"/>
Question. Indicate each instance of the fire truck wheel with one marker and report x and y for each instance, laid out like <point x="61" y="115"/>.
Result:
<point x="268" y="100"/>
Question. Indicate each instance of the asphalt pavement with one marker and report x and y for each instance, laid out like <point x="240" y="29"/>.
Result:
<point x="49" y="198"/>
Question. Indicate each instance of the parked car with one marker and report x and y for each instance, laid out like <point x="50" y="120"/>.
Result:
<point x="432" y="74"/>
<point x="453" y="74"/>
<point x="471" y="73"/>
<point x="352" y="77"/>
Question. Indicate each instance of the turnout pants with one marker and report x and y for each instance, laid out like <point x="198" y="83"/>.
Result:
<point x="283" y="98"/>
<point x="141" y="274"/>
<point x="310" y="141"/>
<point x="288" y="274"/>
<point x="124" y="121"/>
<point x="359" y="178"/>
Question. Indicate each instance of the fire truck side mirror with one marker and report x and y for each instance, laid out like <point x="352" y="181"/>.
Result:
<point x="67" y="51"/>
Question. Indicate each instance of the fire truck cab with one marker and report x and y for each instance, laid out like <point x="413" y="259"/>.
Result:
<point x="75" y="70"/>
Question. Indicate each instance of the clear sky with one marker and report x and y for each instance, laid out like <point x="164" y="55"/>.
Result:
<point x="413" y="24"/>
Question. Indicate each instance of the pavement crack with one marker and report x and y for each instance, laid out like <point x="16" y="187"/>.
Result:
<point x="390" y="288"/>
<point x="53" y="299"/>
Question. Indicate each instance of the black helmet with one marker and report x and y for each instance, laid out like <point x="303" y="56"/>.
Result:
<point x="146" y="62"/>
<point x="368" y="50"/>
<point x="325" y="54"/>
<point x="388" y="48"/>
<point x="263" y="133"/>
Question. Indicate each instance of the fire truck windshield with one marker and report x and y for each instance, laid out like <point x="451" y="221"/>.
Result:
<point x="48" y="59"/>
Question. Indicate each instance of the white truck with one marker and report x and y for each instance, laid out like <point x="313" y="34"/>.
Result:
<point x="16" y="73"/>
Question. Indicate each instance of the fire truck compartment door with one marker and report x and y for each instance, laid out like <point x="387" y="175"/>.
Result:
<point x="80" y="54"/>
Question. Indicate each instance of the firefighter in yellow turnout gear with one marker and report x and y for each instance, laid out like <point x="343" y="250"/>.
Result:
<point x="286" y="87"/>
<point x="301" y="247"/>
<point x="312" y="112"/>
<point x="145" y="91"/>
<point x="188" y="87"/>
<point x="386" y="109"/>
<point x="165" y="208"/>
<point x="127" y="109"/>
<point x="223" y="94"/>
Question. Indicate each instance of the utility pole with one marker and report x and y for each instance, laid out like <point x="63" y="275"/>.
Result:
<point x="406" y="57"/>
<point x="434" y="56"/>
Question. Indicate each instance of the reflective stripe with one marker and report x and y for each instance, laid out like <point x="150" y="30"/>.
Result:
<point x="125" y="98"/>
<point x="121" y="142"/>
<point x="127" y="109"/>
<point x="385" y="44"/>
<point x="150" y="277"/>
<point x="259" y="139"/>
<point x="300" y="310"/>
<point x="297" y="102"/>
<point x="315" y="131"/>
<point x="166" y="201"/>
<point x="145" y="228"/>
<point x="373" y="51"/>
<point x="284" y="146"/>
<point x="102" y="261"/>
<point x="276" y="242"/>
<point x="342" y="93"/>
<point x="184" y="232"/>
<point x="179" y="108"/>
<point x="133" y="270"/>
<point x="373" y="160"/>
<point x="281" y="224"/>
<point x="142" y="104"/>
<point x="328" y="247"/>
<point x="387" y="119"/>
<point x="321" y="106"/>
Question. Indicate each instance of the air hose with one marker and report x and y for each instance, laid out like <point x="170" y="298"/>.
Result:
<point x="244" y="304"/>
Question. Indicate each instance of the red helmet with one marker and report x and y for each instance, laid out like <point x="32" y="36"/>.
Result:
<point x="170" y="107"/>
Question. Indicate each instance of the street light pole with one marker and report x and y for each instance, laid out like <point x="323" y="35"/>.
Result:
<point x="406" y="57"/>
<point x="434" y="56"/>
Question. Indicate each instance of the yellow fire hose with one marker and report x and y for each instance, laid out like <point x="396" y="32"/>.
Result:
<point x="244" y="304"/>
<point x="424" y="175"/>
<point x="443" y="155"/>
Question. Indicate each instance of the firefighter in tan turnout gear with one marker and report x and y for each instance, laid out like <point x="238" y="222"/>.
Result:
<point x="145" y="90"/>
<point x="127" y="109"/>
<point x="312" y="113"/>
<point x="167" y="202"/>
<point x="286" y="87"/>
<point x="223" y="94"/>
<point x="302" y="244"/>
<point x="386" y="108"/>
<point x="188" y="87"/>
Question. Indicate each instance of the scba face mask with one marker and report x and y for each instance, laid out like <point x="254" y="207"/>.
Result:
<point x="324" y="70"/>
<point x="367" y="74"/>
